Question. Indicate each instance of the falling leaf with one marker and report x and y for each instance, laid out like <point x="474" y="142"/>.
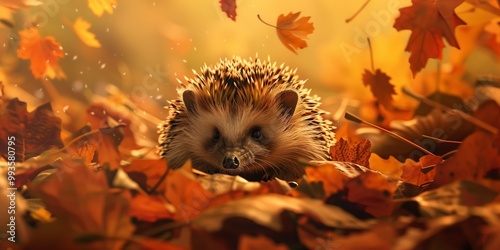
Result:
<point x="44" y="53"/>
<point x="98" y="7"/>
<point x="229" y="7"/>
<point x="358" y="153"/>
<point x="81" y="28"/>
<point x="292" y="32"/>
<point x="430" y="21"/>
<point x="30" y="133"/>
<point x="380" y="87"/>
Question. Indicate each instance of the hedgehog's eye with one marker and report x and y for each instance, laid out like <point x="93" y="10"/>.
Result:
<point x="256" y="133"/>
<point x="216" y="135"/>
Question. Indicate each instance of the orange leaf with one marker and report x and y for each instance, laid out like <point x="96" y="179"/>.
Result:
<point x="429" y="21"/>
<point x="98" y="7"/>
<point x="412" y="171"/>
<point x="292" y="32"/>
<point x="147" y="172"/>
<point x="389" y="167"/>
<point x="81" y="28"/>
<point x="476" y="158"/>
<point x="229" y="7"/>
<point x="30" y="133"/>
<point x="358" y="153"/>
<point x="380" y="87"/>
<point x="44" y="53"/>
<point x="149" y="208"/>
<point x="82" y="199"/>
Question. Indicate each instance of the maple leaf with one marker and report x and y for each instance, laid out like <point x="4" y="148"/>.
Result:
<point x="81" y="27"/>
<point x="229" y="7"/>
<point x="33" y="132"/>
<point x="429" y="21"/>
<point x="150" y="208"/>
<point x="380" y="87"/>
<point x="98" y="7"/>
<point x="44" y="53"/>
<point x="358" y="153"/>
<point x="292" y="32"/>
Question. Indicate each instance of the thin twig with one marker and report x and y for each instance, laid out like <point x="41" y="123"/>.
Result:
<point x="441" y="140"/>
<point x="357" y="12"/>
<point x="354" y="118"/>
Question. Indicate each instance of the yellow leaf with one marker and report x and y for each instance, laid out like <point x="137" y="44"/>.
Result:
<point x="98" y="7"/>
<point x="81" y="29"/>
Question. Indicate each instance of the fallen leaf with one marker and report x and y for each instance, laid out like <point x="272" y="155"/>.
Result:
<point x="81" y="27"/>
<point x="430" y="21"/>
<point x="421" y="172"/>
<point x="474" y="160"/>
<point x="82" y="200"/>
<point x="265" y="210"/>
<point x="229" y="7"/>
<point x="248" y="242"/>
<point x="30" y="133"/>
<point x="455" y="198"/>
<point x="358" y="153"/>
<point x="380" y="87"/>
<point x="150" y="208"/>
<point x="147" y="172"/>
<point x="389" y="167"/>
<point x="98" y="7"/>
<point x="44" y="53"/>
<point x="292" y="32"/>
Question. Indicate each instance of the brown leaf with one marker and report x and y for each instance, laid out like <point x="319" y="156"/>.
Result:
<point x="358" y="153"/>
<point x="430" y="21"/>
<point x="82" y="199"/>
<point x="30" y="133"/>
<point x="248" y="242"/>
<point x="292" y="32"/>
<point x="380" y="87"/>
<point x="474" y="160"/>
<point x="229" y="7"/>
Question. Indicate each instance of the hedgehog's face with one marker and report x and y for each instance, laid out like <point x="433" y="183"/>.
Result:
<point x="241" y="140"/>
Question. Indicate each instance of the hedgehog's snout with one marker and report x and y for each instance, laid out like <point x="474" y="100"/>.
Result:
<point x="231" y="161"/>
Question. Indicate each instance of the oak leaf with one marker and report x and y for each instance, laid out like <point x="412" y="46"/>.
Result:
<point x="229" y="7"/>
<point x="44" y="53"/>
<point x="81" y="27"/>
<point x="380" y="87"/>
<point x="430" y="21"/>
<point x="358" y="153"/>
<point x="98" y="7"/>
<point x="292" y="32"/>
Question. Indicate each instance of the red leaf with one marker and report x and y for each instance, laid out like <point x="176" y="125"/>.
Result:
<point x="229" y="7"/>
<point x="380" y="87"/>
<point x="429" y="21"/>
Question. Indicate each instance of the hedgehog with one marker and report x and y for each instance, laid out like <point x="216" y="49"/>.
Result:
<point x="243" y="117"/>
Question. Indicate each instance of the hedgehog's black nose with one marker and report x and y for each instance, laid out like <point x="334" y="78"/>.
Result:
<point x="230" y="162"/>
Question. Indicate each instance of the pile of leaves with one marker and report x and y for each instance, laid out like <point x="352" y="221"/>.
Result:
<point x="101" y="189"/>
<point x="104" y="187"/>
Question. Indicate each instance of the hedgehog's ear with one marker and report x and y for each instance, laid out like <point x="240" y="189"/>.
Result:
<point x="189" y="100"/>
<point x="287" y="101"/>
